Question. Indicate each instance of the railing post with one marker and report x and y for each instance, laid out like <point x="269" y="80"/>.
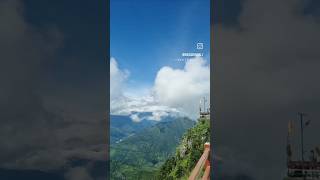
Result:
<point x="203" y="163"/>
<point x="207" y="146"/>
<point x="206" y="175"/>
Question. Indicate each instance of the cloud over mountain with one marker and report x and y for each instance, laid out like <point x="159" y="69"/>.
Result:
<point x="174" y="92"/>
<point x="183" y="88"/>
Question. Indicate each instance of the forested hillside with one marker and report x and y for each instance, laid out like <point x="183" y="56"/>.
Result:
<point x="187" y="153"/>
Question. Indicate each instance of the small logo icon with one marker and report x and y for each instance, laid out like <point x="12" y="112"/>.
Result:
<point x="199" y="45"/>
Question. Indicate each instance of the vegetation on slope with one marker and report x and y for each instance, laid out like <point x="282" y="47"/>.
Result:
<point x="187" y="153"/>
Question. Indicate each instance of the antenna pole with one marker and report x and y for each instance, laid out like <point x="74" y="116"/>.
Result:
<point x="301" y="127"/>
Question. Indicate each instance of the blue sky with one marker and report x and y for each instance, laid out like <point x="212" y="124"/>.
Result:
<point x="147" y="35"/>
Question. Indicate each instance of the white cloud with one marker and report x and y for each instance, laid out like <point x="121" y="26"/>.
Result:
<point x="117" y="79"/>
<point x="183" y="88"/>
<point x="175" y="92"/>
<point x="135" y="117"/>
<point x="133" y="106"/>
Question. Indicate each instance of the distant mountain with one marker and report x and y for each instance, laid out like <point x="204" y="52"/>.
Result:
<point x="140" y="155"/>
<point x="123" y="126"/>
